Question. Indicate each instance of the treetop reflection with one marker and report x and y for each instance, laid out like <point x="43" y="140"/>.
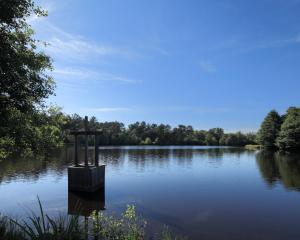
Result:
<point x="280" y="167"/>
<point x="273" y="166"/>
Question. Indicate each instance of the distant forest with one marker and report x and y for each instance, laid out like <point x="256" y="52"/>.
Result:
<point x="142" y="133"/>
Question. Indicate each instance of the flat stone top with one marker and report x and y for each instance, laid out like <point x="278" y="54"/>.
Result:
<point x="89" y="166"/>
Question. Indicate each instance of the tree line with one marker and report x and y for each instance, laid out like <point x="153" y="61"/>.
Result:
<point x="281" y="131"/>
<point x="142" y="133"/>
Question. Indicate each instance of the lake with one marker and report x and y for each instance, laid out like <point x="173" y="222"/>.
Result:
<point x="199" y="192"/>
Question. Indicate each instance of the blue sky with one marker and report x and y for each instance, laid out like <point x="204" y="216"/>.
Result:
<point x="207" y="63"/>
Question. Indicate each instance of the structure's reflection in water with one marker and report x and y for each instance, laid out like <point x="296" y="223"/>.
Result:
<point x="83" y="204"/>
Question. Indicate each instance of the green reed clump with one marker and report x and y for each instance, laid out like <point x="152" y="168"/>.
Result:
<point x="167" y="235"/>
<point x="9" y="231"/>
<point x="129" y="226"/>
<point x="41" y="227"/>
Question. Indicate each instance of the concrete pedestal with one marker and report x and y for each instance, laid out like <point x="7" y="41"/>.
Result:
<point x="86" y="179"/>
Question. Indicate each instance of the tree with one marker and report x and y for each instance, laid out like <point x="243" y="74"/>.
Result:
<point x="183" y="135"/>
<point x="24" y="82"/>
<point x="269" y="130"/>
<point x="147" y="141"/>
<point x="214" y="136"/>
<point x="229" y="139"/>
<point x="200" y="137"/>
<point x="238" y="139"/>
<point x="289" y="136"/>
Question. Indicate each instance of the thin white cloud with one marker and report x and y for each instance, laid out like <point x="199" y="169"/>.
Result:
<point x="83" y="74"/>
<point x="207" y="66"/>
<point x="66" y="46"/>
<point x="63" y="44"/>
<point x="79" y="49"/>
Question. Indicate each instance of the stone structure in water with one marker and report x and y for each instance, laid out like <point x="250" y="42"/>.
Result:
<point x="86" y="177"/>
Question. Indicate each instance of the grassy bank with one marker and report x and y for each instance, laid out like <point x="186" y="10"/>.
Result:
<point x="252" y="147"/>
<point x="129" y="226"/>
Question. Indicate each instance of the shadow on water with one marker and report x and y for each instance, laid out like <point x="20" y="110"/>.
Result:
<point x="83" y="204"/>
<point x="280" y="167"/>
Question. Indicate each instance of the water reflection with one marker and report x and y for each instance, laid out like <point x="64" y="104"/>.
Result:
<point x="112" y="156"/>
<point x="32" y="169"/>
<point x="274" y="167"/>
<point x="141" y="158"/>
<point x="83" y="204"/>
<point x="280" y="167"/>
<point x="160" y="156"/>
<point x="202" y="192"/>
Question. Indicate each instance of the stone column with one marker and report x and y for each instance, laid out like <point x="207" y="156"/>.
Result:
<point x="76" y="151"/>
<point x="96" y="151"/>
<point x="86" y="163"/>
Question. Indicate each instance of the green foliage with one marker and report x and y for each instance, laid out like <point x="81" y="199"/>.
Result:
<point x="281" y="132"/>
<point x="289" y="137"/>
<point x="147" y="141"/>
<point x="167" y="235"/>
<point x="252" y="147"/>
<point x="214" y="136"/>
<point x="24" y="126"/>
<point x="43" y="227"/>
<point x="40" y="226"/>
<point x="237" y="139"/>
<point x="6" y="147"/>
<point x="128" y="227"/>
<point x="9" y="230"/>
<point x="39" y="131"/>
<point x="269" y="130"/>
<point x="23" y="69"/>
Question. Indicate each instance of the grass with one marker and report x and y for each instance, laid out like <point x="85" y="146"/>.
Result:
<point x="99" y="226"/>
<point x="253" y="147"/>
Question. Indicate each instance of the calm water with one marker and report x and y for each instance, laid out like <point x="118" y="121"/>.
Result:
<point x="200" y="192"/>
